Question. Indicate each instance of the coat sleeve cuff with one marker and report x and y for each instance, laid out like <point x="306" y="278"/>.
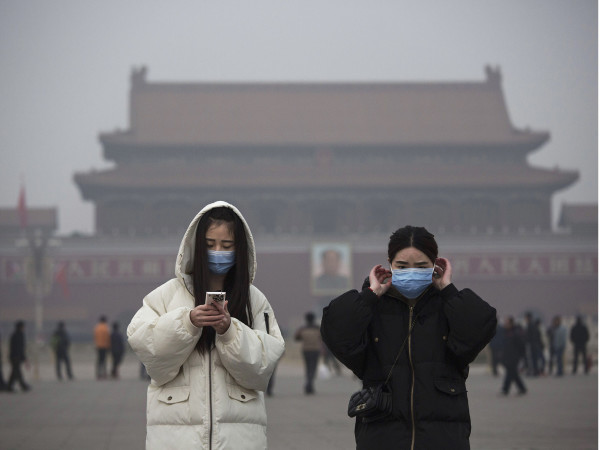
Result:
<point x="189" y="326"/>
<point x="369" y="296"/>
<point x="449" y="291"/>
<point x="229" y="335"/>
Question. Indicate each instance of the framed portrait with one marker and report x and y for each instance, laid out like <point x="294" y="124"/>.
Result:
<point x="331" y="268"/>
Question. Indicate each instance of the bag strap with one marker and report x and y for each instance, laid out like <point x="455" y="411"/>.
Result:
<point x="267" y="322"/>
<point x="410" y="328"/>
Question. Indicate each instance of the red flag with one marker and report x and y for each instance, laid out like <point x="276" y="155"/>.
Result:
<point x="22" y="208"/>
<point x="61" y="278"/>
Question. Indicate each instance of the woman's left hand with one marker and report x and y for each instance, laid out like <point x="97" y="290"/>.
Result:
<point x="442" y="273"/>
<point x="222" y="325"/>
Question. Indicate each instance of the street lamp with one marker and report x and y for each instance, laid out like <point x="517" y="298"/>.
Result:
<point x="39" y="279"/>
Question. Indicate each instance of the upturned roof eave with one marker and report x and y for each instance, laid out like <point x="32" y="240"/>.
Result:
<point x="522" y="140"/>
<point x="322" y="178"/>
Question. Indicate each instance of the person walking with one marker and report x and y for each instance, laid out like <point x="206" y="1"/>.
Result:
<point x="533" y="344"/>
<point x="543" y="345"/>
<point x="102" y="342"/>
<point x="410" y="326"/>
<point x="310" y="336"/>
<point x="60" y="343"/>
<point x="579" y="337"/>
<point x="210" y="363"/>
<point x="559" y="343"/>
<point x="551" y="350"/>
<point x="512" y="354"/>
<point x="496" y="346"/>
<point x="117" y="349"/>
<point x="17" y="357"/>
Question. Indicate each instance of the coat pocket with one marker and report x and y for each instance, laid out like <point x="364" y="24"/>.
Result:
<point x="451" y="403"/>
<point x="450" y="386"/>
<point x="173" y="395"/>
<point x="238" y="392"/>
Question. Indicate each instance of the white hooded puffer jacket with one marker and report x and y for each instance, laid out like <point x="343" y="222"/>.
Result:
<point x="213" y="400"/>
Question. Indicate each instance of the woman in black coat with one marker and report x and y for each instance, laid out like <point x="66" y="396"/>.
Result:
<point x="369" y="330"/>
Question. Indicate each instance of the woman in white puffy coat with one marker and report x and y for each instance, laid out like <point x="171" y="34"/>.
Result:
<point x="209" y="364"/>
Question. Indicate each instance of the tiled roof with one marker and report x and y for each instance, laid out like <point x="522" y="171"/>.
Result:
<point x="331" y="114"/>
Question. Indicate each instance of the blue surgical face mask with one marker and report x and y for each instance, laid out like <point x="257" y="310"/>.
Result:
<point x="412" y="282"/>
<point x="219" y="262"/>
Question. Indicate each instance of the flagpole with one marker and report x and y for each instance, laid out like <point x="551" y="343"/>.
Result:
<point x="39" y="325"/>
<point x="37" y="283"/>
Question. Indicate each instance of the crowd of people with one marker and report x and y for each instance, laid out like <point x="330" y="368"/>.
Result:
<point x="526" y="348"/>
<point x="531" y="349"/>
<point x="106" y="341"/>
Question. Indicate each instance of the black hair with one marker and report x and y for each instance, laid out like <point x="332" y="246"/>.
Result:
<point x="237" y="280"/>
<point x="310" y="318"/>
<point x="417" y="237"/>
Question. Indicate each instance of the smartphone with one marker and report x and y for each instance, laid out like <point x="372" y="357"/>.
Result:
<point x="215" y="297"/>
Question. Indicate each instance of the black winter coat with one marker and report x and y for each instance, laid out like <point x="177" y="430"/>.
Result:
<point x="17" y="347"/>
<point x="514" y="346"/>
<point x="430" y="407"/>
<point x="579" y="335"/>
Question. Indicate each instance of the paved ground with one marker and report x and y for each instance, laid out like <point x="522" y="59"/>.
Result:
<point x="88" y="414"/>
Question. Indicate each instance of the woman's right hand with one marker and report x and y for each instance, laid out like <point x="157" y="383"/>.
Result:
<point x="377" y="278"/>
<point x="205" y="316"/>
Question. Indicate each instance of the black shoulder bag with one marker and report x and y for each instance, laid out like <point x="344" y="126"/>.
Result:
<point x="375" y="402"/>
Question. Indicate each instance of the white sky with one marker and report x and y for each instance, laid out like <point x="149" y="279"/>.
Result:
<point x="65" y="69"/>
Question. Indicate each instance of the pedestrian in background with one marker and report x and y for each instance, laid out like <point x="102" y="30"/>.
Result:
<point x="559" y="341"/>
<point x="117" y="349"/>
<point x="533" y="344"/>
<point x="551" y="350"/>
<point x="579" y="337"/>
<point x="102" y="342"/>
<point x="312" y="345"/>
<point x="513" y="353"/>
<point x="543" y="344"/>
<point x="496" y="345"/>
<point x="60" y="343"/>
<point x="17" y="357"/>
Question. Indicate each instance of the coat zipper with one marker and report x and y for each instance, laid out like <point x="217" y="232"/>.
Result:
<point x="412" y="387"/>
<point x="210" y="411"/>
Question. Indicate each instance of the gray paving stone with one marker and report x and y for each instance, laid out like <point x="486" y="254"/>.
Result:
<point x="557" y="413"/>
